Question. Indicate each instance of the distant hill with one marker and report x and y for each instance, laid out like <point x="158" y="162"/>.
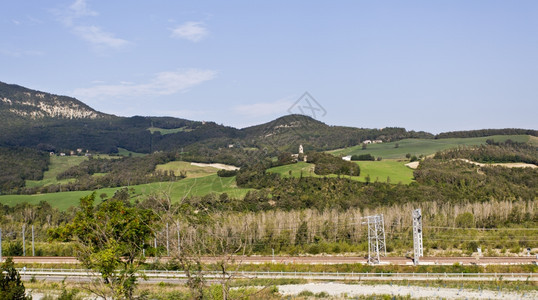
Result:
<point x="48" y="122"/>
<point x="19" y="103"/>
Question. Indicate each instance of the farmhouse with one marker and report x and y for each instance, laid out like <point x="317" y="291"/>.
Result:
<point x="347" y="158"/>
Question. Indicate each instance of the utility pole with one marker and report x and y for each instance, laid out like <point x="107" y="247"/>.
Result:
<point x="167" y="242"/>
<point x="178" y="241"/>
<point x="23" y="241"/>
<point x="417" y="236"/>
<point x="376" y="238"/>
<point x="33" y="245"/>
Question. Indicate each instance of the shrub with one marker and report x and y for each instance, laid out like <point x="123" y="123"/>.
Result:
<point x="14" y="249"/>
<point x="363" y="157"/>
<point x="226" y="173"/>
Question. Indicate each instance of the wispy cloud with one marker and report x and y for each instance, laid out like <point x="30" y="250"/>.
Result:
<point x="94" y="35"/>
<point x="164" y="83"/>
<point x="77" y="10"/>
<point x="192" y="31"/>
<point x="99" y="38"/>
<point x="262" y="109"/>
<point x="17" y="53"/>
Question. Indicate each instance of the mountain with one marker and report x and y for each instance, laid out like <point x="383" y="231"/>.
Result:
<point x="19" y="103"/>
<point x="48" y="122"/>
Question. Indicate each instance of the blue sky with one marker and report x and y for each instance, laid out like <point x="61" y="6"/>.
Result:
<point x="423" y="65"/>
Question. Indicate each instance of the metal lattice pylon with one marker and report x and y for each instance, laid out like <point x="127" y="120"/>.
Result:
<point x="376" y="238"/>
<point x="417" y="235"/>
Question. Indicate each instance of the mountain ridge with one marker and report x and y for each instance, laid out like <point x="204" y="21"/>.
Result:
<point x="51" y="122"/>
<point x="20" y="102"/>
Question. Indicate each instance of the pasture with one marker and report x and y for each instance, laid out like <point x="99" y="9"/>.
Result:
<point x="422" y="146"/>
<point x="182" y="166"/>
<point x="176" y="190"/>
<point x="376" y="170"/>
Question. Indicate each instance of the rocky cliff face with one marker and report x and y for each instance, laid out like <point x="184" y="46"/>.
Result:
<point x="20" y="102"/>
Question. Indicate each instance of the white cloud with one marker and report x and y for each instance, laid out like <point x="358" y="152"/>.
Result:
<point x="77" y="10"/>
<point x="164" y="83"/>
<point x="17" y="53"/>
<point x="99" y="38"/>
<point x="262" y="109"/>
<point x="192" y="31"/>
<point x="92" y="34"/>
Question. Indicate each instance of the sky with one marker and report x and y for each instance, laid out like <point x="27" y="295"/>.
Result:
<point x="424" y="65"/>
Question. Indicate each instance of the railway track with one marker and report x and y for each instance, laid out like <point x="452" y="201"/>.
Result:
<point x="77" y="274"/>
<point x="315" y="260"/>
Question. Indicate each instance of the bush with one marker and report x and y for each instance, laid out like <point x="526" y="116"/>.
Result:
<point x="14" y="249"/>
<point x="226" y="173"/>
<point x="363" y="157"/>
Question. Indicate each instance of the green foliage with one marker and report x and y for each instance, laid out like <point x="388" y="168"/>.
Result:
<point x="11" y="286"/>
<point x="111" y="237"/>
<point x="486" y="132"/>
<point x="226" y="173"/>
<point x="286" y="158"/>
<point x="423" y="146"/>
<point x="302" y="234"/>
<point x="457" y="180"/>
<point x="329" y="164"/>
<point x="507" y="152"/>
<point x="363" y="157"/>
<point x="14" y="249"/>
<point x="465" y="220"/>
<point x="20" y="164"/>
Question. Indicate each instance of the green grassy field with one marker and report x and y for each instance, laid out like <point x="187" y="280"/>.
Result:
<point x="377" y="170"/>
<point x="422" y="146"/>
<point x="177" y="190"/>
<point x="192" y="171"/>
<point x="168" y="131"/>
<point x="125" y="152"/>
<point x="58" y="164"/>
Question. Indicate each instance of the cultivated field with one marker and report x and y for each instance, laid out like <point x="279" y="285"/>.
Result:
<point x="187" y="187"/>
<point x="192" y="171"/>
<point x="424" y="146"/>
<point x="58" y="164"/>
<point x="376" y="170"/>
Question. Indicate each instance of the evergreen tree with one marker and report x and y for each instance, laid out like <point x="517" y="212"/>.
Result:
<point x="11" y="286"/>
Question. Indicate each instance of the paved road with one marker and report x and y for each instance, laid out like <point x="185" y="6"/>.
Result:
<point x="320" y="260"/>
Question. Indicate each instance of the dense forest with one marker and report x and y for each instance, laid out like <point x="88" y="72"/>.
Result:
<point x="506" y="152"/>
<point x="322" y="214"/>
<point x="20" y="164"/>
<point x="115" y="172"/>
<point x="485" y="132"/>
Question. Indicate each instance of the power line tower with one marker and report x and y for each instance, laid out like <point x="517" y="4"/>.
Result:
<point x="417" y="235"/>
<point x="376" y="238"/>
